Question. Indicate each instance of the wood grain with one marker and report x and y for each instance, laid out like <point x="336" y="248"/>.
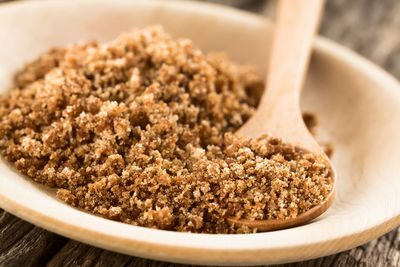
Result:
<point x="369" y="27"/>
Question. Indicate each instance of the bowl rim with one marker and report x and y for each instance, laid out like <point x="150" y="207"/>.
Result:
<point x="206" y="248"/>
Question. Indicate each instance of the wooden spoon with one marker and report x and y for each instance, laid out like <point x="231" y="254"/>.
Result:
<point x="279" y="111"/>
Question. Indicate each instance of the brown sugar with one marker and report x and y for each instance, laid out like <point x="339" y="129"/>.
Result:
<point x="141" y="130"/>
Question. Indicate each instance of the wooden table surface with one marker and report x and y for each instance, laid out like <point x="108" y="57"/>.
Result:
<point x="370" y="27"/>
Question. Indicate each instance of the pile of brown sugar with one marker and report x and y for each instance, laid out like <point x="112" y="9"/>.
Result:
<point x="140" y="130"/>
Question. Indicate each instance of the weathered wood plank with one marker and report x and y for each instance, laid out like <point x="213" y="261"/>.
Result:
<point x="367" y="26"/>
<point x="77" y="254"/>
<point x="12" y="230"/>
<point x="22" y="244"/>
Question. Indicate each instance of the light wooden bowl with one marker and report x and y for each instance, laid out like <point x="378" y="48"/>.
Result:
<point x="358" y="106"/>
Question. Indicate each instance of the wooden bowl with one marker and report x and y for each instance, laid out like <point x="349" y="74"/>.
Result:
<point x="357" y="103"/>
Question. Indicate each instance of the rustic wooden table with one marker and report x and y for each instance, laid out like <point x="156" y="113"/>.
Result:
<point x="370" y="27"/>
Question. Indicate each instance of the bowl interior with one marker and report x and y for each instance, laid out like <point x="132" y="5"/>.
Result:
<point x="357" y="105"/>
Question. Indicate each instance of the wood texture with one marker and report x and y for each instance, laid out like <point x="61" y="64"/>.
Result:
<point x="367" y="26"/>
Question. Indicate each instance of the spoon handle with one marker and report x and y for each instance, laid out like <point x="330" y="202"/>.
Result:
<point x="297" y="21"/>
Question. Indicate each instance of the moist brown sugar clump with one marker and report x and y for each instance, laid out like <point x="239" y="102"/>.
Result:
<point x="140" y="130"/>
